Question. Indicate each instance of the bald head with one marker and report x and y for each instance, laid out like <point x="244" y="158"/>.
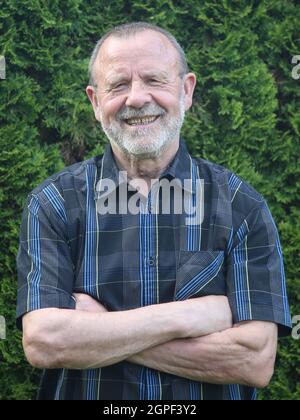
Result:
<point x="131" y="30"/>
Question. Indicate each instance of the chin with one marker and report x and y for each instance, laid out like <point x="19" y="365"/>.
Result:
<point x="150" y="150"/>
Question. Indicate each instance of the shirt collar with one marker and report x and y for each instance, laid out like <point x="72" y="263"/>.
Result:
<point x="180" y="169"/>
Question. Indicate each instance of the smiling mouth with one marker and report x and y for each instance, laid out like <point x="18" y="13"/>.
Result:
<point x="142" y="120"/>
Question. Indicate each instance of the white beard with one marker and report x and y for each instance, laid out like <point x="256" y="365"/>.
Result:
<point x="148" y="142"/>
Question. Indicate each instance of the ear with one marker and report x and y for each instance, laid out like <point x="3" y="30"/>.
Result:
<point x="91" y="93"/>
<point x="190" y="81"/>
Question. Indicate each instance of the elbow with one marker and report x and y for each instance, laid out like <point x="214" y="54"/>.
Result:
<point x="262" y="372"/>
<point x="41" y="350"/>
<point x="262" y="380"/>
<point x="265" y="378"/>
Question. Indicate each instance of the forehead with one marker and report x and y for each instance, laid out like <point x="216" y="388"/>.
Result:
<point x="147" y="50"/>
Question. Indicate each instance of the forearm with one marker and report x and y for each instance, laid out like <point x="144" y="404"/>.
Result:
<point x="91" y="337"/>
<point x="236" y="355"/>
<point x="203" y="359"/>
<point x="176" y="357"/>
<point x="82" y="340"/>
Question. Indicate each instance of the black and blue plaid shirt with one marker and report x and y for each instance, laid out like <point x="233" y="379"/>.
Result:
<point x="126" y="261"/>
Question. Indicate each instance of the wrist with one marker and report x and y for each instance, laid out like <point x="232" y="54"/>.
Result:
<point x="170" y="317"/>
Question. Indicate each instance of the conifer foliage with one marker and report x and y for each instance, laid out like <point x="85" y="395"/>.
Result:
<point x="245" y="117"/>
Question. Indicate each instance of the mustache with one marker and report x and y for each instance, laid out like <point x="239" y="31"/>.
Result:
<point x="129" y="112"/>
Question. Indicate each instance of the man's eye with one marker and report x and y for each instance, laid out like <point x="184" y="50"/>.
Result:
<point x="119" y="86"/>
<point x="153" y="81"/>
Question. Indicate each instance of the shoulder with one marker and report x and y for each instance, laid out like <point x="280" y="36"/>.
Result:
<point x="64" y="188"/>
<point x="228" y="186"/>
<point x="65" y="176"/>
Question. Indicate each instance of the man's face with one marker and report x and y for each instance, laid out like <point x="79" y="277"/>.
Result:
<point x="140" y="98"/>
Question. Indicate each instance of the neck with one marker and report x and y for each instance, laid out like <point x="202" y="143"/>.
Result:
<point x="147" y="168"/>
<point x="142" y="172"/>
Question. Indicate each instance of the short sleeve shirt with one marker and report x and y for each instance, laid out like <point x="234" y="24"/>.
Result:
<point x="127" y="260"/>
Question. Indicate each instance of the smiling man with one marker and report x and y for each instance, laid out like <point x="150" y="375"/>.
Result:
<point x="148" y="305"/>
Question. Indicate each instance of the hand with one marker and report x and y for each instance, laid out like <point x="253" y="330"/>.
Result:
<point x="206" y="315"/>
<point x="88" y="304"/>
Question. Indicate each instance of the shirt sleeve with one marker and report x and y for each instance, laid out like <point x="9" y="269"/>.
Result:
<point x="45" y="268"/>
<point x="256" y="285"/>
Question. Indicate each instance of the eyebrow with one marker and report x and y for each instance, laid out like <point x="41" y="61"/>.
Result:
<point x="160" y="74"/>
<point x="112" y="80"/>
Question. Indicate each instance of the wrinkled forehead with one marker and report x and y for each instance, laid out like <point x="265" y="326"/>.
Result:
<point x="144" y="50"/>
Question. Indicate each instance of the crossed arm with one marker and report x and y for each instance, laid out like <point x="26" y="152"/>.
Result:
<point x="244" y="354"/>
<point x="193" y="339"/>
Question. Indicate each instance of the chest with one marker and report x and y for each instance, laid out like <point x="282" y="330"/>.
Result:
<point x="129" y="261"/>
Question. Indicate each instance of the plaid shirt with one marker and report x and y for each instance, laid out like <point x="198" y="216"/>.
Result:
<point x="126" y="261"/>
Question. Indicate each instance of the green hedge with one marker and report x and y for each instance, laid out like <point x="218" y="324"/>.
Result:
<point x="245" y="116"/>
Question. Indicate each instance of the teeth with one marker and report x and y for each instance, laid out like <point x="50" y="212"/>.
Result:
<point x="141" y="121"/>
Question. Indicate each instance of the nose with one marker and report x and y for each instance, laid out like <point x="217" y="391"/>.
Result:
<point x="138" y="95"/>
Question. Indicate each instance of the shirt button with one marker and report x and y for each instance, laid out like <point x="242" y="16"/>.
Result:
<point x="151" y="261"/>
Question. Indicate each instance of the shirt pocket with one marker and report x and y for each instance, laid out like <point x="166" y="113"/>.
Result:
<point x="200" y="273"/>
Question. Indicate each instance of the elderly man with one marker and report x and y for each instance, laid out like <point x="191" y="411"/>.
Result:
<point x="148" y="304"/>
